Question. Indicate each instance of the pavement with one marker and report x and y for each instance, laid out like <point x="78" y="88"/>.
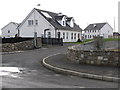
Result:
<point x="60" y="64"/>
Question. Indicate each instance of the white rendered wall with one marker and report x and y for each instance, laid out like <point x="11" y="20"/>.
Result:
<point x="91" y="33"/>
<point x="28" y="31"/>
<point x="106" y="31"/>
<point x="69" y="35"/>
<point x="10" y="27"/>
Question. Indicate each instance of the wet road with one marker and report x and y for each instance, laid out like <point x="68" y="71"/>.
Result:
<point x="34" y="75"/>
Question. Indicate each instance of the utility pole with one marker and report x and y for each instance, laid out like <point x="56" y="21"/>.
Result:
<point x="114" y="24"/>
<point x="35" y="32"/>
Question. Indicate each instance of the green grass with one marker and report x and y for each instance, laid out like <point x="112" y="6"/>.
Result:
<point x="87" y="40"/>
<point x="111" y="39"/>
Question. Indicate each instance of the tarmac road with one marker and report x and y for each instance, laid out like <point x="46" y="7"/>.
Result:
<point x="34" y="75"/>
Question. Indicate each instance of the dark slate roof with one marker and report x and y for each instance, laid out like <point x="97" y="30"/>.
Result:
<point x="59" y="17"/>
<point x="54" y="22"/>
<point x="95" y="26"/>
<point x="69" y="19"/>
<point x="17" y="24"/>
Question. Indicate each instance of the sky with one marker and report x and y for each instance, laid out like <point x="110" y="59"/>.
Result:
<point x="84" y="11"/>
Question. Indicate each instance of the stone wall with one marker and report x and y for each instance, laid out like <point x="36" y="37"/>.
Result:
<point x="25" y="45"/>
<point x="93" y="57"/>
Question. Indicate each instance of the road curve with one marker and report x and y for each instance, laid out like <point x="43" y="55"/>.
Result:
<point x="36" y="76"/>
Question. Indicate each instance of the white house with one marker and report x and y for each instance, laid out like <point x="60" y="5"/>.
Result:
<point x="98" y="29"/>
<point x="10" y="30"/>
<point x="51" y="25"/>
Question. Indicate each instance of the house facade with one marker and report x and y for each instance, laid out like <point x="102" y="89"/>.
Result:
<point x="10" y="30"/>
<point x="47" y="24"/>
<point x="98" y="29"/>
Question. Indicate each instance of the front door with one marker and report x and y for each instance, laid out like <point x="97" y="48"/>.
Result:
<point x="58" y="34"/>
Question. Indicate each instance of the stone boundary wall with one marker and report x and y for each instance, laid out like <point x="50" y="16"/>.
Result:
<point x="93" y="57"/>
<point x="25" y="45"/>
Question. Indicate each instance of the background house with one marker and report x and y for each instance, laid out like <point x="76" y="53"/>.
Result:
<point x="47" y="24"/>
<point x="98" y="29"/>
<point x="116" y="35"/>
<point x="10" y="30"/>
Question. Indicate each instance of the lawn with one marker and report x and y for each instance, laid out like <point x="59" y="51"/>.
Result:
<point x="87" y="40"/>
<point x="111" y="39"/>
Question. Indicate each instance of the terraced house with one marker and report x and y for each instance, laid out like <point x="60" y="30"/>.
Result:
<point x="98" y="29"/>
<point x="48" y="24"/>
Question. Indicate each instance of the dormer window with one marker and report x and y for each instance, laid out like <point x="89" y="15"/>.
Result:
<point x="64" y="21"/>
<point x="70" y="21"/>
<point x="61" y="19"/>
<point x="94" y="25"/>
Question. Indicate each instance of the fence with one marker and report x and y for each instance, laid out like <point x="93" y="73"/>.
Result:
<point x="15" y="40"/>
<point x="52" y="41"/>
<point x="47" y="41"/>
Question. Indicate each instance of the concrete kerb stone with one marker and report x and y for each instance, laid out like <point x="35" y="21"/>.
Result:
<point x="75" y="73"/>
<point x="3" y="53"/>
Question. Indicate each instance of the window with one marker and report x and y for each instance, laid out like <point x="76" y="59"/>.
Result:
<point x="63" y="35"/>
<point x="49" y="34"/>
<point x="36" y="22"/>
<point x="90" y="36"/>
<point x="30" y="22"/>
<point x="71" y="35"/>
<point x="64" y="23"/>
<point x="78" y="36"/>
<point x="74" y="35"/>
<point x="8" y="31"/>
<point x="85" y="36"/>
<point x="67" y="35"/>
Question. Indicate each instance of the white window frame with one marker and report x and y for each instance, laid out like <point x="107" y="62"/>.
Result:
<point x="30" y="23"/>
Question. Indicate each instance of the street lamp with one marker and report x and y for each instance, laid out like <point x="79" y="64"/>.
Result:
<point x="35" y="33"/>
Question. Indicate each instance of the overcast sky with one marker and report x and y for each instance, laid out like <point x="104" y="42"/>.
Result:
<point x="84" y="11"/>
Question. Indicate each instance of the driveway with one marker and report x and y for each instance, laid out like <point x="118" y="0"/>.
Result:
<point x="34" y="75"/>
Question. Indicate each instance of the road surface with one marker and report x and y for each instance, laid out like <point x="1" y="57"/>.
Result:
<point x="34" y="75"/>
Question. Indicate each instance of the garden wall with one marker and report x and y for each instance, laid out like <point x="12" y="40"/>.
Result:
<point x="93" y="57"/>
<point x="25" y="45"/>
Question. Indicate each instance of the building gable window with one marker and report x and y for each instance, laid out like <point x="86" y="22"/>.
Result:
<point x="8" y="31"/>
<point x="30" y="22"/>
<point x="36" y="22"/>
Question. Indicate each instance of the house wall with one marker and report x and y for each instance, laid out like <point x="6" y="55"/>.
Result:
<point x="28" y="31"/>
<point x="106" y="31"/>
<point x="69" y="35"/>
<point x="11" y="28"/>
<point x="91" y="33"/>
